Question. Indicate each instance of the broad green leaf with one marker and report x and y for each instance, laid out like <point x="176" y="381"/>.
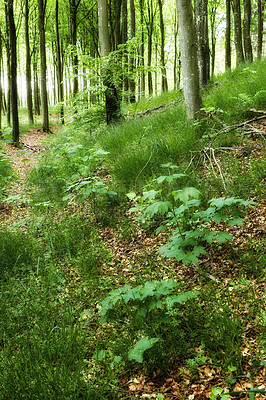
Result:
<point x="141" y="346"/>
<point x="131" y="195"/>
<point x="185" y="194"/>
<point x="222" y="237"/>
<point x="236" y="221"/>
<point x="160" y="207"/>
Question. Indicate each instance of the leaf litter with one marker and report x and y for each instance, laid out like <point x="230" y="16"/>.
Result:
<point x="136" y="256"/>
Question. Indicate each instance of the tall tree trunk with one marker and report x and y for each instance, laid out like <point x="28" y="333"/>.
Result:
<point x="59" y="65"/>
<point x="164" y="77"/>
<point x="246" y="31"/>
<point x="228" y="35"/>
<point x="188" y="45"/>
<point x="125" y="52"/>
<point x="1" y="89"/>
<point x="8" y="65"/>
<point x="238" y="32"/>
<point x="212" y="13"/>
<point x="260" y="7"/>
<point x="14" y="91"/>
<point x="142" y="50"/>
<point x="201" y="14"/>
<point x="45" y="114"/>
<point x="150" y="27"/>
<point x="74" y="4"/>
<point x="28" y="64"/>
<point x="112" y="103"/>
<point x="132" y="84"/>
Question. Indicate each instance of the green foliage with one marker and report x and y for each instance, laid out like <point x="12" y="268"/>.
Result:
<point x="138" y="147"/>
<point x="17" y="251"/>
<point x="147" y="307"/>
<point x="5" y="173"/>
<point x="192" y="228"/>
<point x="41" y="355"/>
<point x="67" y="172"/>
<point x="238" y="90"/>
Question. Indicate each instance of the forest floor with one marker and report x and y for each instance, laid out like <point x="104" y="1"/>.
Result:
<point x="180" y="382"/>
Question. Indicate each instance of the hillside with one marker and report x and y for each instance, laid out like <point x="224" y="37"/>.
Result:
<point x="132" y="256"/>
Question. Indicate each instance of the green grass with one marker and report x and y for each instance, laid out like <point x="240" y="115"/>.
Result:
<point x="64" y="260"/>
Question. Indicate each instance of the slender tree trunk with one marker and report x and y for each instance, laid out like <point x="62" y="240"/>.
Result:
<point x="8" y="64"/>
<point x="188" y="45"/>
<point x="246" y="31"/>
<point x="112" y="103"/>
<point x="45" y="113"/>
<point x="150" y="27"/>
<point x="142" y="50"/>
<point x="14" y="91"/>
<point x="260" y="7"/>
<point x="59" y="64"/>
<point x="132" y="84"/>
<point x="201" y="14"/>
<point x="164" y="77"/>
<point x="238" y="32"/>
<point x="125" y="52"/>
<point x="28" y="64"/>
<point x="228" y="36"/>
<point x="1" y="89"/>
<point x="74" y="4"/>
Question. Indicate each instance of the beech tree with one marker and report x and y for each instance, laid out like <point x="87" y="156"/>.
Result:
<point x="28" y="63"/>
<point x="238" y="32"/>
<point x="188" y="46"/>
<point x="45" y="114"/>
<point x="112" y="102"/>
<point x="13" y="70"/>
<point x="201" y="16"/>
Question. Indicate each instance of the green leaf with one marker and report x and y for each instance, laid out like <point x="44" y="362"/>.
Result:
<point x="131" y="195"/>
<point x="141" y="346"/>
<point x="160" y="207"/>
<point x="221" y="237"/>
<point x="185" y="194"/>
<point x="236" y="221"/>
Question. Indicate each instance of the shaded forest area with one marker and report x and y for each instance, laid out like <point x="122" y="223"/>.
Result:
<point x="132" y="200"/>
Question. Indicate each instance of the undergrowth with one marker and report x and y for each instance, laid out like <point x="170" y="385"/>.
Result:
<point x="85" y="303"/>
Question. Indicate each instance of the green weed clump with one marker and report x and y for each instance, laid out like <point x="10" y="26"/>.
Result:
<point x="5" y="173"/>
<point x="138" y="147"/>
<point x="237" y="91"/>
<point x="17" y="251"/>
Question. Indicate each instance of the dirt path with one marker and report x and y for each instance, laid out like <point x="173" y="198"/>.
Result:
<point x="22" y="161"/>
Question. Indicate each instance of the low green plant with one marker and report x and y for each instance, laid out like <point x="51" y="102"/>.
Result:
<point x="5" y="173"/>
<point x="17" y="251"/>
<point x="145" y="308"/>
<point x="192" y="228"/>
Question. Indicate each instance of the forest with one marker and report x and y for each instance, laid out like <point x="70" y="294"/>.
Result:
<point x="132" y="199"/>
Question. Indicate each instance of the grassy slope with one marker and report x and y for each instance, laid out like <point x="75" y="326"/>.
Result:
<point x="65" y="260"/>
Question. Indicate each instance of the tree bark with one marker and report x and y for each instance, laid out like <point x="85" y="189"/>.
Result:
<point x="45" y="114"/>
<point x="260" y="8"/>
<point x="238" y="32"/>
<point x="228" y="36"/>
<point x="142" y="50"/>
<point x="188" y="45"/>
<point x="246" y="31"/>
<point x="132" y="84"/>
<point x="163" y="67"/>
<point x="74" y="4"/>
<point x="8" y="65"/>
<point x="1" y="89"/>
<point x="201" y="14"/>
<point x="28" y="64"/>
<point x="150" y="27"/>
<point x="112" y="103"/>
<point x="14" y="91"/>
<point x="59" y="64"/>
